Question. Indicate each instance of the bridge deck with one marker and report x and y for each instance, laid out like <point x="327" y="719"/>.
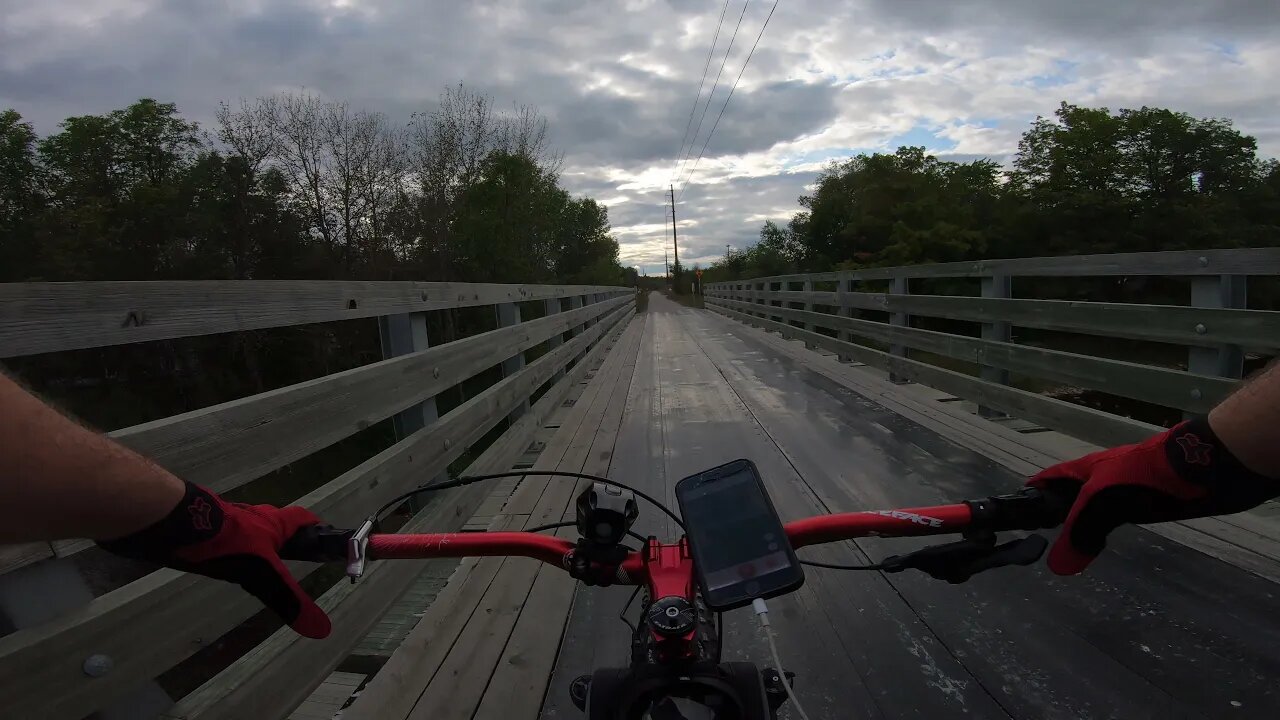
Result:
<point x="1156" y="630"/>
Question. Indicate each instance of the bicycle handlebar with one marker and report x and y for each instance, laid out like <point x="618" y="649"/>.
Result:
<point x="1025" y="510"/>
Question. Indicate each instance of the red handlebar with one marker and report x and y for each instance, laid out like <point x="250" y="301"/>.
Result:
<point x="553" y="550"/>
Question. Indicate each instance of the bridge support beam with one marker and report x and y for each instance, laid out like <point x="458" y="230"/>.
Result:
<point x="1217" y="291"/>
<point x="808" y="306"/>
<point x="553" y="306"/>
<point x="899" y="285"/>
<point x="996" y="286"/>
<point x="845" y="285"/>
<point x="508" y="315"/>
<point x="403" y="334"/>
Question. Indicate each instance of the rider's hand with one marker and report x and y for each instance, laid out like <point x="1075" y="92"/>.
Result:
<point x="239" y="543"/>
<point x="1184" y="472"/>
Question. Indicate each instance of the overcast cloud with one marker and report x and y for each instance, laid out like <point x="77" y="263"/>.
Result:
<point x="617" y="79"/>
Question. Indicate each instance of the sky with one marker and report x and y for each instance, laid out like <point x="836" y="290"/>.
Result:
<point x="618" y="80"/>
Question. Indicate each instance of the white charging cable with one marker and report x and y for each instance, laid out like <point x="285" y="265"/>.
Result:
<point x="762" y="612"/>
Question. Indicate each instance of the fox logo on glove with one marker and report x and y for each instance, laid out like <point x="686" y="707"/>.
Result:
<point x="200" y="510"/>
<point x="1195" y="450"/>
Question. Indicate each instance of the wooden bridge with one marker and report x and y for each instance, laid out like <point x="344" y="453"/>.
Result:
<point x="841" y="387"/>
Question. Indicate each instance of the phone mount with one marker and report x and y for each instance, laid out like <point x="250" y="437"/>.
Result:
<point x="605" y="515"/>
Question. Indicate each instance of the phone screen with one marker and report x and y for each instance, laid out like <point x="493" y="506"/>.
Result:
<point x="739" y="546"/>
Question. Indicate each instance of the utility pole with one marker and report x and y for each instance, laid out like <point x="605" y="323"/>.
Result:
<point x="726" y="253"/>
<point x="675" y="244"/>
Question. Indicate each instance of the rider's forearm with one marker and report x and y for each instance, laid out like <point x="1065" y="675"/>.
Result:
<point x="60" y="480"/>
<point x="1248" y="422"/>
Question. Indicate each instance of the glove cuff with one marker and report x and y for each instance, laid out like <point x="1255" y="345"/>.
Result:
<point x="196" y="518"/>
<point x="1198" y="455"/>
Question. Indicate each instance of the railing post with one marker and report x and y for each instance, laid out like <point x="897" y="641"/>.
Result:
<point x="785" y="286"/>
<point x="403" y="334"/>
<point x="845" y="285"/>
<point x="900" y="285"/>
<point x="508" y="315"/>
<point x="400" y="335"/>
<point x="807" y="286"/>
<point x="553" y="307"/>
<point x="575" y="302"/>
<point x="760" y="289"/>
<point x="1217" y="291"/>
<point x="995" y="286"/>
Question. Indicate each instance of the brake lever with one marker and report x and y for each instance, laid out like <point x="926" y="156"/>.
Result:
<point x="325" y="543"/>
<point x="958" y="561"/>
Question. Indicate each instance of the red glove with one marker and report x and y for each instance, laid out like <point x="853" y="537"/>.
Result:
<point x="1184" y="472"/>
<point x="239" y="543"/>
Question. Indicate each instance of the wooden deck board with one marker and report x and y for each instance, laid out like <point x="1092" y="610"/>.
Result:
<point x="444" y="666"/>
<point x="1249" y="541"/>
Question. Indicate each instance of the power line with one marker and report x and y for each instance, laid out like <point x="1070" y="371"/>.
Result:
<point x="703" y="116"/>
<point x="675" y="169"/>
<point x="727" y="99"/>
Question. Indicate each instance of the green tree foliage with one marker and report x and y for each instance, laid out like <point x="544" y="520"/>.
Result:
<point x="296" y="187"/>
<point x="1086" y="180"/>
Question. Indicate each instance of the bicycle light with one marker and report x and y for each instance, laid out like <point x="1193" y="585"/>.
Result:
<point x="606" y="513"/>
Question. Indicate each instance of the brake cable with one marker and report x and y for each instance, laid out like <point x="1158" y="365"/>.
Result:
<point x="467" y="480"/>
<point x="571" y="523"/>
<point x="834" y="566"/>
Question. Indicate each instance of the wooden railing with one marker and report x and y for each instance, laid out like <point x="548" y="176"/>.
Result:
<point x="73" y="654"/>
<point x="1216" y="327"/>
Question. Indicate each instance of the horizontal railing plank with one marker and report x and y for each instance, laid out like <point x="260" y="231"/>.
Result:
<point x="19" y="555"/>
<point x="1178" y="324"/>
<point x="1086" y="423"/>
<point x="50" y="317"/>
<point x="1161" y="386"/>
<point x="224" y="446"/>
<point x="1244" y="261"/>
<point x="153" y="623"/>
<point x="277" y="675"/>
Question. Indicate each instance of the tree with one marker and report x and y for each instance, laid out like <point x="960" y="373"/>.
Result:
<point x="20" y="196"/>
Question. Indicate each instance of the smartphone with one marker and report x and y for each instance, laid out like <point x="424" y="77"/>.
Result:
<point x="740" y="549"/>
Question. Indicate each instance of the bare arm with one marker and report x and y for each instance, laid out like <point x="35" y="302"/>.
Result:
<point x="1248" y="422"/>
<point x="61" y="480"/>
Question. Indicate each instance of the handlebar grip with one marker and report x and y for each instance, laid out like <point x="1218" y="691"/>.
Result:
<point x="1028" y="509"/>
<point x="317" y="543"/>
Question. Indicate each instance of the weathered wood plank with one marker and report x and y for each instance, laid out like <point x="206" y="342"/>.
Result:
<point x="1249" y="541"/>
<point x="1244" y="261"/>
<point x="1162" y="323"/>
<point x="1093" y="425"/>
<point x="49" y="317"/>
<point x="519" y="681"/>
<point x="275" y="674"/>
<point x="409" y="675"/>
<point x="1161" y="386"/>
<point x="13" y="557"/>
<point x="226" y="445"/>
<point x="155" y="622"/>
<point x="475" y="664"/>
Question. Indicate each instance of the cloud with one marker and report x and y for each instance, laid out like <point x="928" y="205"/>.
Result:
<point x="617" y="79"/>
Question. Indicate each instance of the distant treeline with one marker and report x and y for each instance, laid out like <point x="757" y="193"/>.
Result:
<point x="1086" y="181"/>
